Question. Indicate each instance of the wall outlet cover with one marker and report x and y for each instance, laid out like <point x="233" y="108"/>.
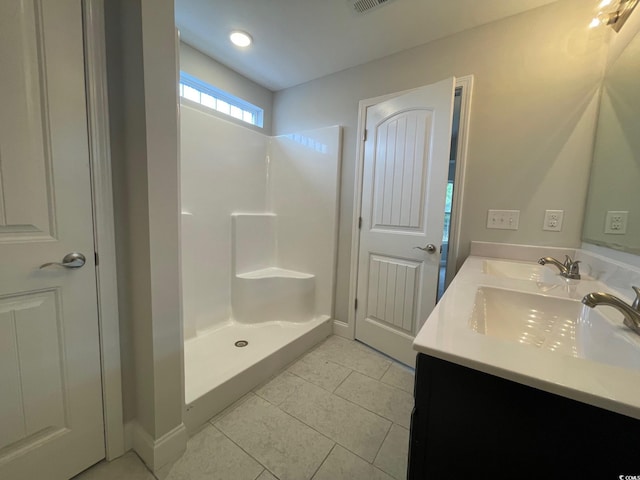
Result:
<point x="553" y="220"/>
<point x="616" y="222"/>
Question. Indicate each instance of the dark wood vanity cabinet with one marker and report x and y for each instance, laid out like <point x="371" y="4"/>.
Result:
<point x="469" y="424"/>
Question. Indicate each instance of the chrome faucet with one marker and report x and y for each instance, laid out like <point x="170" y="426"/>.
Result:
<point x="568" y="269"/>
<point x="631" y="312"/>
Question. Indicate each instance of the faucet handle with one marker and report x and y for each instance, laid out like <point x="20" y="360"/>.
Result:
<point x="574" y="267"/>
<point x="567" y="261"/>
<point x="636" y="303"/>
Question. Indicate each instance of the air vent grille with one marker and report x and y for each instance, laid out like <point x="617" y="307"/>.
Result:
<point x="362" y="6"/>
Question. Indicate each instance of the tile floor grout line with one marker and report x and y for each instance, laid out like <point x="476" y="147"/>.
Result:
<point x="266" y="399"/>
<point x="343" y="380"/>
<point x="370" y="411"/>
<point x="320" y="386"/>
<point x="391" y="422"/>
<point x="250" y="456"/>
<point x="387" y="385"/>
<point x="304" y="423"/>
<point x="331" y="439"/>
<point x="263" y="470"/>
<point x="364" y="348"/>
<point x="323" y="460"/>
<point x="228" y="409"/>
<point x="395" y="386"/>
<point x="380" y="448"/>
<point x="385" y="372"/>
<point x="341" y="398"/>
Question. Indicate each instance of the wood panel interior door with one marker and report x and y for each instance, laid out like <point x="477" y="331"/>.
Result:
<point x="51" y="414"/>
<point x="406" y="161"/>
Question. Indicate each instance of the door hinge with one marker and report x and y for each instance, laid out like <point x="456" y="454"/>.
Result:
<point x="355" y="306"/>
<point x="97" y="258"/>
<point x="440" y="248"/>
<point x="364" y="135"/>
<point x="359" y="223"/>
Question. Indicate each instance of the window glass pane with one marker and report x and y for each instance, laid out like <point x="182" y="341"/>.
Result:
<point x="447" y="224"/>
<point x="236" y="112"/>
<point x="209" y="96"/>
<point x="448" y="198"/>
<point x="191" y="94"/>
<point x="223" y="107"/>
<point x="207" y="100"/>
<point x="248" y="117"/>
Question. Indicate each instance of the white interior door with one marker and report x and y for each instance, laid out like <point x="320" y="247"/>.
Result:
<point x="406" y="161"/>
<point x="51" y="424"/>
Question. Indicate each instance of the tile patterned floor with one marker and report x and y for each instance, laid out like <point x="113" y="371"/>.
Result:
<point x="341" y="411"/>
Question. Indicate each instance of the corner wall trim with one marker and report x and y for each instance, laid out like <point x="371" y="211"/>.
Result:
<point x="158" y="453"/>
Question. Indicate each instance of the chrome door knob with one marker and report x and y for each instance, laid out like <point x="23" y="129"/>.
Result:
<point x="70" y="260"/>
<point x="430" y="248"/>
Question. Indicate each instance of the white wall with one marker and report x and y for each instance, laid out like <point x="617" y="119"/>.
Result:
<point x="304" y="184"/>
<point x="228" y="168"/>
<point x="223" y="171"/>
<point x="208" y="70"/>
<point x="532" y="119"/>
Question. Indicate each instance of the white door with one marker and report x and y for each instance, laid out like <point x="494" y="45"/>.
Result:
<point x="51" y="424"/>
<point x="406" y="164"/>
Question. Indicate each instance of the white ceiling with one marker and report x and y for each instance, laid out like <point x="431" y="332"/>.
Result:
<point x="299" y="40"/>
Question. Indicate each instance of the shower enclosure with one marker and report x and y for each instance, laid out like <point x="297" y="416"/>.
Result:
<point x="259" y="226"/>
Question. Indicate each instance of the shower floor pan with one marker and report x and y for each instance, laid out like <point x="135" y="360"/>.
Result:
<point x="217" y="372"/>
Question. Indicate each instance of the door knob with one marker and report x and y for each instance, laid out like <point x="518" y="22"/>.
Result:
<point x="430" y="248"/>
<point x="70" y="260"/>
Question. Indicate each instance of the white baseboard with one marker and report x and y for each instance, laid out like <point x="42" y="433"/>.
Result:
<point x="342" y="329"/>
<point x="128" y="435"/>
<point x="158" y="453"/>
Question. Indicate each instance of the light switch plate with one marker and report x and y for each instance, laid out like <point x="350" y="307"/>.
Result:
<point x="553" y="220"/>
<point x="503" y="219"/>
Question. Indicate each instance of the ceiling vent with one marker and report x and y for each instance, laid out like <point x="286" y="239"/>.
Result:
<point x="362" y="6"/>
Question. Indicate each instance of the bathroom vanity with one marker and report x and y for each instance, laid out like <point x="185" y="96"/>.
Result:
<point x="516" y="378"/>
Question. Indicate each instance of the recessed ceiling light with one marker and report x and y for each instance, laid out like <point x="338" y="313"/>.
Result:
<point x="240" y="38"/>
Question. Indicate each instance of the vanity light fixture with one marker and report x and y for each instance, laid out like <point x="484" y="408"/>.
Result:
<point x="613" y="13"/>
<point x="240" y="38"/>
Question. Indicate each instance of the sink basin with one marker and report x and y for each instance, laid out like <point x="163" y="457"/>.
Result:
<point x="521" y="271"/>
<point x="559" y="325"/>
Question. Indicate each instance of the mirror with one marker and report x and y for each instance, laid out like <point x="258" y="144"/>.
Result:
<point x="613" y="202"/>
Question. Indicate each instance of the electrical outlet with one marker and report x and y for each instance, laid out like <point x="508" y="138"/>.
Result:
<point x="616" y="222"/>
<point x="553" y="220"/>
<point x="503" y="219"/>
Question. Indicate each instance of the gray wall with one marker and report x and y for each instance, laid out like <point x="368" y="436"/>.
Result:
<point x="208" y="70"/>
<point x="532" y="119"/>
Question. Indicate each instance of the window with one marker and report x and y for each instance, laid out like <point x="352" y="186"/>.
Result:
<point x="208" y="96"/>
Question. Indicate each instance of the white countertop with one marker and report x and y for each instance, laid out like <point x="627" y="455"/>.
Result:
<point x="446" y="335"/>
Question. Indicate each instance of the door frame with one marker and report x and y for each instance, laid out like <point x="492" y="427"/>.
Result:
<point x="349" y="329"/>
<point x="103" y="224"/>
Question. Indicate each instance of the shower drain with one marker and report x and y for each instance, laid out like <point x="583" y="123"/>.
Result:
<point x="241" y="343"/>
